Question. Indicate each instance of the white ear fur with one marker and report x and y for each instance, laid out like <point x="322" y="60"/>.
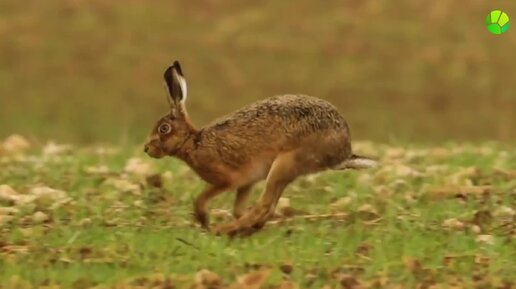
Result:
<point x="182" y="83"/>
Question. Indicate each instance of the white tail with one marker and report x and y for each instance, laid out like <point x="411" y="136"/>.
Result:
<point x="357" y="163"/>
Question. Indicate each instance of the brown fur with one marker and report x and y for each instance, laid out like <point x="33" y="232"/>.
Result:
<point x="279" y="138"/>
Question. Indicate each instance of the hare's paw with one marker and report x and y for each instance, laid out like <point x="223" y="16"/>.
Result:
<point x="224" y="229"/>
<point x="233" y="230"/>
<point x="202" y="219"/>
<point x="252" y="221"/>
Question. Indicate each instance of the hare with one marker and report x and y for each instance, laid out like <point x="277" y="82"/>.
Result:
<point x="278" y="139"/>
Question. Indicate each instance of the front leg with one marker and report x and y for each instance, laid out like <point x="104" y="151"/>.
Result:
<point x="200" y="207"/>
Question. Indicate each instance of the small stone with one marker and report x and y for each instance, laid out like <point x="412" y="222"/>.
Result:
<point x="85" y="222"/>
<point x="124" y="185"/>
<point x="453" y="223"/>
<point x="7" y="193"/>
<point x="52" y="148"/>
<point x="476" y="229"/>
<point x="4" y="219"/>
<point x="367" y="212"/>
<point x="486" y="239"/>
<point x="45" y="196"/>
<point x="208" y="279"/>
<point x="137" y="166"/>
<point x="40" y="217"/>
<point x="15" y="144"/>
<point x="340" y="204"/>
<point x="406" y="171"/>
<point x="504" y="212"/>
<point x="8" y="211"/>
<point x="284" y="209"/>
<point x="43" y="192"/>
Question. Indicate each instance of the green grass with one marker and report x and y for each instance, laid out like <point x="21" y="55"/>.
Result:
<point x="105" y="235"/>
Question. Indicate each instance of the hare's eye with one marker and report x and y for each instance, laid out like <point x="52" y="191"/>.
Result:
<point x="164" y="128"/>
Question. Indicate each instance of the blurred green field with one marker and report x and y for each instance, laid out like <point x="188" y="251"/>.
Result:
<point x="90" y="217"/>
<point x="90" y="71"/>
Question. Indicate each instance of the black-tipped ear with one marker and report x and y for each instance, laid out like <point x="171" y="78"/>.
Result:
<point x="177" y="66"/>
<point x="176" y="84"/>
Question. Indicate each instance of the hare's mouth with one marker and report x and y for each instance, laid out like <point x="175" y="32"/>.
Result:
<point x="154" y="152"/>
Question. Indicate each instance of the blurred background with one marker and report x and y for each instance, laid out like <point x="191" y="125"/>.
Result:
<point x="418" y="71"/>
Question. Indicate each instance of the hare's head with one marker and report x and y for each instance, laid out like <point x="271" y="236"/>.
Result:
<point x="172" y="130"/>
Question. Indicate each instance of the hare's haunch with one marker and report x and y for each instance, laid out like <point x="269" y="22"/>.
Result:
<point x="278" y="139"/>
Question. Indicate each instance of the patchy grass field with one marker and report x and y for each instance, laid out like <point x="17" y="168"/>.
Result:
<point x="429" y="217"/>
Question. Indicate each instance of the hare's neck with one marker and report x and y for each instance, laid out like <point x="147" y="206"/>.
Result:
<point x="197" y="152"/>
<point x="187" y="151"/>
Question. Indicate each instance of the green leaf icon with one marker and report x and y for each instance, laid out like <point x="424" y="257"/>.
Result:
<point x="497" y="22"/>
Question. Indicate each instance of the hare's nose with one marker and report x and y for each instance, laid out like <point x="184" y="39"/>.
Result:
<point x="146" y="149"/>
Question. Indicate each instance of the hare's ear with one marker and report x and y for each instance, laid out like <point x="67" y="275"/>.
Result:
<point x="176" y="85"/>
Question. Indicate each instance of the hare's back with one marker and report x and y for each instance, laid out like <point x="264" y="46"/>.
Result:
<point x="287" y="115"/>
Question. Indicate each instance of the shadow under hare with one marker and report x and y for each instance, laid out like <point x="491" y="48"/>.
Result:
<point x="278" y="139"/>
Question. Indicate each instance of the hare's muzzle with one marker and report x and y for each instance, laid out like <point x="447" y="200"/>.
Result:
<point x="153" y="150"/>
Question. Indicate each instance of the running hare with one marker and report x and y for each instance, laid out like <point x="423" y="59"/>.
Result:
<point x="277" y="139"/>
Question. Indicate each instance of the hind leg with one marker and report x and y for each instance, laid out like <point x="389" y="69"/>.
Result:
<point x="242" y="195"/>
<point x="284" y="170"/>
<point x="315" y="153"/>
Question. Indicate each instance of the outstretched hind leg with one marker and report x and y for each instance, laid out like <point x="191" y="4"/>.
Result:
<point x="284" y="170"/>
